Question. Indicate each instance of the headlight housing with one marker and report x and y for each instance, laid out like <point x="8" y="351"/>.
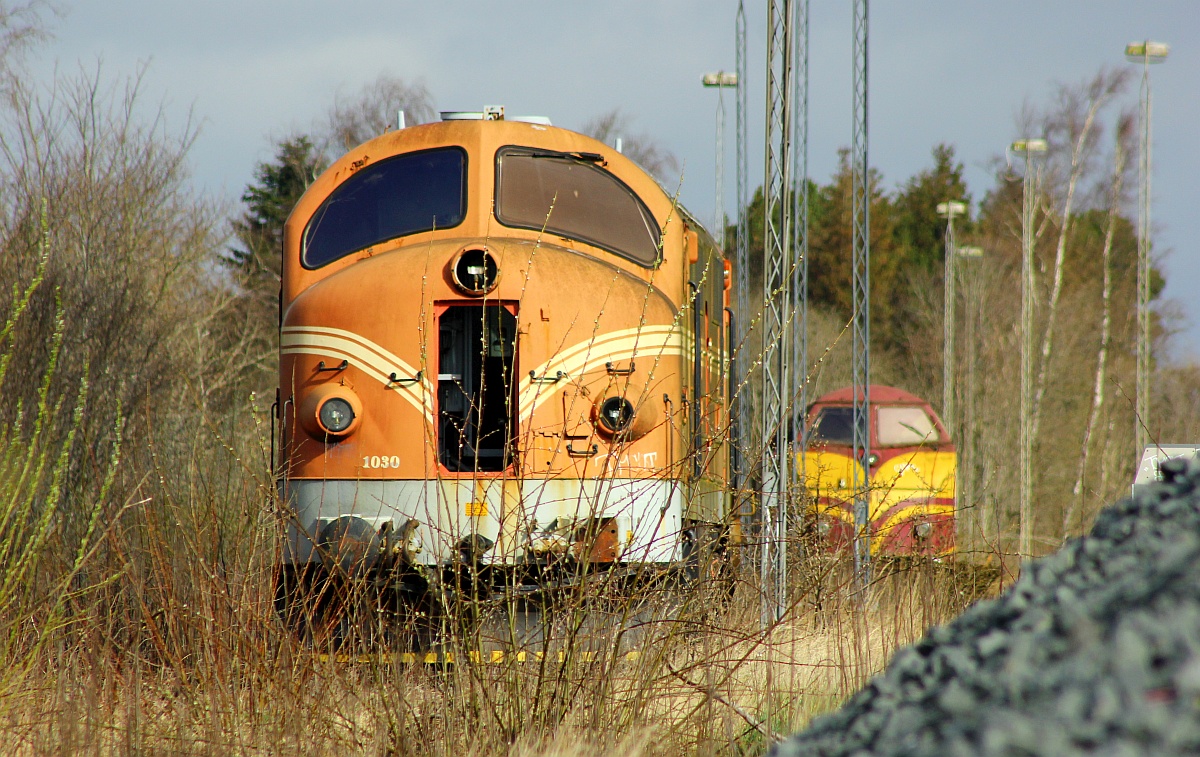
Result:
<point x="615" y="414"/>
<point x="330" y="412"/>
<point x="474" y="271"/>
<point x="617" y="418"/>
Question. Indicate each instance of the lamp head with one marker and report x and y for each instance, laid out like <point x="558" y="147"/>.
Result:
<point x="951" y="208"/>
<point x="720" y="79"/>
<point x="1029" y="145"/>
<point x="1147" y="51"/>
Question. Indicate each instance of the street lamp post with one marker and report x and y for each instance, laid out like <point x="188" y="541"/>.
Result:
<point x="974" y="522"/>
<point x="1029" y="206"/>
<point x="720" y="80"/>
<point x="1146" y="52"/>
<point x="949" y="210"/>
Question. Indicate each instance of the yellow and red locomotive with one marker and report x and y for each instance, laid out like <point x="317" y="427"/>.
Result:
<point x="502" y="343"/>
<point x="911" y="464"/>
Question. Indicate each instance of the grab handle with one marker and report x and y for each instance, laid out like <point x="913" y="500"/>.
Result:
<point x="536" y="379"/>
<point x="572" y="452"/>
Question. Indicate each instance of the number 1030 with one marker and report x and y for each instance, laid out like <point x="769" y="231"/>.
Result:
<point x="381" y="461"/>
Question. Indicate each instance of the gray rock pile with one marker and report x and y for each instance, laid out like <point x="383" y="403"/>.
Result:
<point x="1095" y="650"/>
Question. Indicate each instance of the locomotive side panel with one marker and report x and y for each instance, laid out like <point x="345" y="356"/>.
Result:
<point x="707" y="385"/>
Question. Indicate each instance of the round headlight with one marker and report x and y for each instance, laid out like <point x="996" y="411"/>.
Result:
<point x="329" y="412"/>
<point x="616" y="413"/>
<point x="336" y="415"/>
<point x="474" y="271"/>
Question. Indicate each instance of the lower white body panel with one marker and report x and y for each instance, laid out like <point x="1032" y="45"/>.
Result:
<point x="510" y="513"/>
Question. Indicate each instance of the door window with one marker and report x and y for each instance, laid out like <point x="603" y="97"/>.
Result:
<point x="476" y="349"/>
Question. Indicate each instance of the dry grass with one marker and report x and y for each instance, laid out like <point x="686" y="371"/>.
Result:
<point x="224" y="677"/>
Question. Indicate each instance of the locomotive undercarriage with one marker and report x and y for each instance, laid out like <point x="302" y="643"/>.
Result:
<point x="342" y="605"/>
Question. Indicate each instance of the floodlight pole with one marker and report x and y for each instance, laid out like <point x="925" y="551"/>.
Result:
<point x="965" y="477"/>
<point x="1029" y="207"/>
<point x="721" y="81"/>
<point x="719" y="198"/>
<point x="777" y="219"/>
<point x="1145" y="52"/>
<point x="948" y="210"/>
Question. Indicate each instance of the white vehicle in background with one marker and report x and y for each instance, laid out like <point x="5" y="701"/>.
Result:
<point x="1149" y="470"/>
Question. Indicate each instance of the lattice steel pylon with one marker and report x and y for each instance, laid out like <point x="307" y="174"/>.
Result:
<point x="776" y="383"/>
<point x="799" y="341"/>
<point x="743" y="430"/>
<point x="861" y="283"/>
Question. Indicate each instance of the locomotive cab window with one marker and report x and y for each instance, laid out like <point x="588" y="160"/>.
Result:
<point x="905" y="427"/>
<point x="407" y="194"/>
<point x="834" y="425"/>
<point x="571" y="195"/>
<point x="476" y="348"/>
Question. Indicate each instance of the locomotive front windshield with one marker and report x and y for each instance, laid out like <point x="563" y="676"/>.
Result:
<point x="834" y="425"/>
<point x="905" y="427"/>
<point x="569" y="194"/>
<point x="894" y="426"/>
<point x="407" y="194"/>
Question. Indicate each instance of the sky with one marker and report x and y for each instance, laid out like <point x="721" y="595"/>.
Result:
<point x="252" y="71"/>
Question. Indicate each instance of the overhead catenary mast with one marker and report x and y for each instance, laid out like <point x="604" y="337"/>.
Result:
<point x="777" y="248"/>
<point x="741" y="271"/>
<point x="861" y="284"/>
<point x="799" y="341"/>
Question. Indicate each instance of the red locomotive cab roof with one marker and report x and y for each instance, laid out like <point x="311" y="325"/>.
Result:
<point x="880" y="394"/>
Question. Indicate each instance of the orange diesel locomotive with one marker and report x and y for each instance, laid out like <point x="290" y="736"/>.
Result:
<point x="911" y="474"/>
<point x="502" y="345"/>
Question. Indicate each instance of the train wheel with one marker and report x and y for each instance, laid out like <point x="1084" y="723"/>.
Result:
<point x="707" y="560"/>
<point x="324" y="611"/>
<point x="300" y="601"/>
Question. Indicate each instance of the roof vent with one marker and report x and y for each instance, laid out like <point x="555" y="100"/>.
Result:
<point x="491" y="113"/>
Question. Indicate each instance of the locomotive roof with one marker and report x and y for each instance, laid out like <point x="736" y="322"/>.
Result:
<point x="879" y="394"/>
<point x="472" y="123"/>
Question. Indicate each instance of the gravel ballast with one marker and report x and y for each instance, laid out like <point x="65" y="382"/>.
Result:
<point x="1094" y="650"/>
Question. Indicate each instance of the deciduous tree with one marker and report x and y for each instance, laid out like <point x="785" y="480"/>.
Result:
<point x="640" y="147"/>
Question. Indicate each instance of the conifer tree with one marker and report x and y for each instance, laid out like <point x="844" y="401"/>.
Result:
<point x="269" y="201"/>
